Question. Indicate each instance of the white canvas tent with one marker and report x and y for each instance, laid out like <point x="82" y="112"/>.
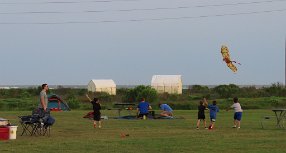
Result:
<point x="167" y="83"/>
<point x="107" y="86"/>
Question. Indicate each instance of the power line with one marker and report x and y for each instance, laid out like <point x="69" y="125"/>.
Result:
<point x="141" y="20"/>
<point x="67" y="2"/>
<point x="148" y="9"/>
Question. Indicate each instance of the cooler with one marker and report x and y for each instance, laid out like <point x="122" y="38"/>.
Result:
<point x="4" y="133"/>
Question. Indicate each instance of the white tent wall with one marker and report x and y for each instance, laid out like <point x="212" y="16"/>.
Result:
<point x="107" y="86"/>
<point x="167" y="83"/>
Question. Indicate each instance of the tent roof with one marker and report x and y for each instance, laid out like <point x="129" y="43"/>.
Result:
<point x="166" y="79"/>
<point x="55" y="101"/>
<point x="54" y="96"/>
<point x="103" y="83"/>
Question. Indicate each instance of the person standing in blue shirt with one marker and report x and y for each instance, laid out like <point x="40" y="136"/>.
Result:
<point x="167" y="111"/>
<point x="213" y="110"/>
<point x="143" y="108"/>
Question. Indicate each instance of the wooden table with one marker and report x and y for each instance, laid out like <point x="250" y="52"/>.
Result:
<point x="280" y="114"/>
<point x="127" y="106"/>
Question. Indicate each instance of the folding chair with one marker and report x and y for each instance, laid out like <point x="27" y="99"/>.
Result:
<point x="26" y="124"/>
<point x="41" y="118"/>
<point x="35" y="124"/>
<point x="30" y="124"/>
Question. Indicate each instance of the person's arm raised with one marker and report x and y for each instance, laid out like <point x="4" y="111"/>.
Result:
<point x="88" y="97"/>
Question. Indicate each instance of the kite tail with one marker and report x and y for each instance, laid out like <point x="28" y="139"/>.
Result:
<point x="236" y="62"/>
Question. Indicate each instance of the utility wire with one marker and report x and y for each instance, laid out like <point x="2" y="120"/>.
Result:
<point x="141" y="20"/>
<point x="147" y="9"/>
<point x="67" y="2"/>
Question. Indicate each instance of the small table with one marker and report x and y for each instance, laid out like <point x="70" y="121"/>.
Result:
<point x="280" y="115"/>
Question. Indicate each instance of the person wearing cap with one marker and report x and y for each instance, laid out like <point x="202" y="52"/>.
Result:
<point x="166" y="110"/>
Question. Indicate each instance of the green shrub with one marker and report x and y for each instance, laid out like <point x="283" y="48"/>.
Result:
<point x="104" y="97"/>
<point x="199" y="89"/>
<point x="226" y="91"/>
<point x="139" y="92"/>
<point x="73" y="103"/>
<point x="174" y="97"/>
<point x="85" y="106"/>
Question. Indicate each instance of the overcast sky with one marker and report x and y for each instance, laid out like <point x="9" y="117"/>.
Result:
<point x="70" y="42"/>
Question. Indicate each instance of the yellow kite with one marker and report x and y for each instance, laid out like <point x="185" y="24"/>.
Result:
<point x="226" y="58"/>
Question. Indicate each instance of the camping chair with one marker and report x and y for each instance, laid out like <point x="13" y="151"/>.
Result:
<point x="42" y="127"/>
<point x="26" y="124"/>
<point x="35" y="124"/>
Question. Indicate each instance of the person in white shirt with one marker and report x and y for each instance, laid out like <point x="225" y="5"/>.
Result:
<point x="237" y="113"/>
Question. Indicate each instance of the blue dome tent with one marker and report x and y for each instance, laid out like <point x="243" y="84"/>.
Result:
<point x="57" y="104"/>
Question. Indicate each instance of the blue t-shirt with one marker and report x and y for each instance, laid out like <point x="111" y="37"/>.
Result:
<point x="143" y="107"/>
<point x="213" y="110"/>
<point x="166" y="107"/>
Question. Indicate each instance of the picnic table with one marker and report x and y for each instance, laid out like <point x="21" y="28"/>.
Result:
<point x="122" y="106"/>
<point x="280" y="114"/>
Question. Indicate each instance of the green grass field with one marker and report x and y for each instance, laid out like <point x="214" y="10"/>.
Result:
<point x="71" y="133"/>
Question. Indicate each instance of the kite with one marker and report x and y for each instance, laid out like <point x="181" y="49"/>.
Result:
<point x="226" y="58"/>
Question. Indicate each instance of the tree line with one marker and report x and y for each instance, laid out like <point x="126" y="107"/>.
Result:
<point x="25" y="99"/>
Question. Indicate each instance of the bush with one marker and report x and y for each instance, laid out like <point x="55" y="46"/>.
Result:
<point x="139" y="92"/>
<point x="276" y="89"/>
<point x="104" y="97"/>
<point x="226" y="91"/>
<point x="17" y="104"/>
<point x="199" y="89"/>
<point x="73" y="103"/>
<point x="180" y="106"/>
<point x="85" y="106"/>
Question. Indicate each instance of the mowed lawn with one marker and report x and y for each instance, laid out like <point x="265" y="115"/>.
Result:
<point x="72" y="133"/>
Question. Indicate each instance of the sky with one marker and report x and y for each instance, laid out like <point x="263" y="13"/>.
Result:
<point x="70" y="42"/>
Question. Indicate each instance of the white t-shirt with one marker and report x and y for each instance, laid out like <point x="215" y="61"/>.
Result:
<point x="236" y="107"/>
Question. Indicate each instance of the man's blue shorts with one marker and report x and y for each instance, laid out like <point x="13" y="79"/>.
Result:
<point x="237" y="116"/>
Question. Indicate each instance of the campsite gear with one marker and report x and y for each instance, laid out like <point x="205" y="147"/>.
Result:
<point x="39" y="123"/>
<point x="4" y="122"/>
<point x="44" y="116"/>
<point x="55" y="103"/>
<point x="13" y="132"/>
<point x="4" y="133"/>
<point x="27" y="124"/>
